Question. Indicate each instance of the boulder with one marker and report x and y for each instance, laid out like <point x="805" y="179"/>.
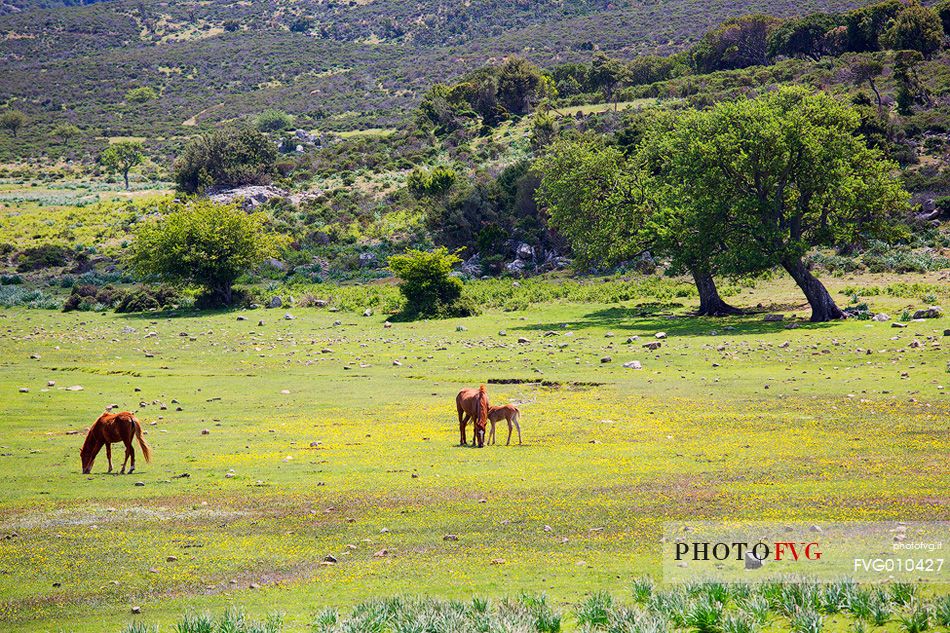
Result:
<point x="250" y="197"/>
<point x="634" y="364"/>
<point x="275" y="302"/>
<point x="933" y="312"/>
<point x="881" y="317"/>
<point x="773" y="318"/>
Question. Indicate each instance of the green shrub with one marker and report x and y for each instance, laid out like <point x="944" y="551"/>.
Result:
<point x="42" y="257"/>
<point x="273" y="121"/>
<point x="228" y="157"/>
<point x="427" y="285"/>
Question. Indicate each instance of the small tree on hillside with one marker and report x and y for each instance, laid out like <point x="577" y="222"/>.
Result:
<point x="427" y="285"/>
<point x="122" y="157"/>
<point x="12" y="121"/>
<point x="203" y="244"/>
<point x="64" y="132"/>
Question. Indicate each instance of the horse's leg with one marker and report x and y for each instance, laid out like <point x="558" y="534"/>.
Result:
<point x="126" y="460"/>
<point x="508" y="443"/>
<point x="131" y="450"/>
<point x="517" y="426"/>
<point x="109" y="455"/>
<point x="463" y="423"/>
<point x="491" y="433"/>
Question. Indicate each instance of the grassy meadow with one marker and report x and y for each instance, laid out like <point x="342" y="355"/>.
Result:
<point x="281" y="441"/>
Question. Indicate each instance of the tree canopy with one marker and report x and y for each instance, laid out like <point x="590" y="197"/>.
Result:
<point x="781" y="174"/>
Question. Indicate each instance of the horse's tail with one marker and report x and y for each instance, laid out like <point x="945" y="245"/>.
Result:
<point x="482" y="405"/>
<point x="146" y="449"/>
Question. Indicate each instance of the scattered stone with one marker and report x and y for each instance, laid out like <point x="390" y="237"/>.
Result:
<point x="171" y="559"/>
<point x="881" y="317"/>
<point x="504" y="333"/>
<point x="387" y="325"/>
<point x="205" y="432"/>
<point x="609" y="335"/>
<point x="634" y="364"/>
<point x="260" y="323"/>
<point x="275" y="302"/>
<point x="242" y="318"/>
<point x="653" y="345"/>
<point x="498" y="561"/>
<point x="606" y="359"/>
<point x="460" y="328"/>
<point x="330" y="558"/>
<point x="752" y="561"/>
<point x="384" y="531"/>
<point x="289" y="317"/>
<point x="633" y="339"/>
<point x="285" y="392"/>
<point x="523" y="340"/>
<point x="396" y="363"/>
<point x="74" y="388"/>
<point x="660" y="335"/>
<point x="898" y="324"/>
<point x="24" y="390"/>
<point x="450" y="537"/>
<point x="52" y="383"/>
<point x="35" y="356"/>
<point x="773" y="318"/>
<point x="367" y="312"/>
<point x="381" y="553"/>
<point x="139" y="483"/>
<point x="136" y="610"/>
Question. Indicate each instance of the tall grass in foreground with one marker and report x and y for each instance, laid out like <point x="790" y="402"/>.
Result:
<point x="700" y="607"/>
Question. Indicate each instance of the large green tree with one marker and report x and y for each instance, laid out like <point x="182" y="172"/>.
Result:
<point x="781" y="174"/>
<point x="203" y="244"/>
<point x="611" y="208"/>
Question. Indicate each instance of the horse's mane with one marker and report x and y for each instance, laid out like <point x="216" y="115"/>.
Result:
<point x="482" y="405"/>
<point x="90" y="436"/>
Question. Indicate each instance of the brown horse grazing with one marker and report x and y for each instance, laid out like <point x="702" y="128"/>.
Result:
<point x="110" y="428"/>
<point x="473" y="405"/>
<point x="510" y="414"/>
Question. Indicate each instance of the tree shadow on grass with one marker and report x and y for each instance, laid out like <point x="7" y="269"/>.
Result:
<point x="638" y="320"/>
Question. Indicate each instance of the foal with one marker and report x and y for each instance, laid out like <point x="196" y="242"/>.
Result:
<point x="109" y="428"/>
<point x="507" y="412"/>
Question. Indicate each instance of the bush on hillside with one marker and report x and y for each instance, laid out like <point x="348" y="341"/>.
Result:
<point x="229" y="157"/>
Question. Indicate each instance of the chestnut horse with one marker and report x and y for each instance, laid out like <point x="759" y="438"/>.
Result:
<point x="110" y="428"/>
<point x="510" y="414"/>
<point x="472" y="404"/>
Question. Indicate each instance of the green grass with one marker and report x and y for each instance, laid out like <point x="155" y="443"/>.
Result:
<point x="361" y="456"/>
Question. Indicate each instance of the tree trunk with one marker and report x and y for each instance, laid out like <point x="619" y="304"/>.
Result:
<point x="125" y="174"/>
<point x="823" y="307"/>
<point x="710" y="303"/>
